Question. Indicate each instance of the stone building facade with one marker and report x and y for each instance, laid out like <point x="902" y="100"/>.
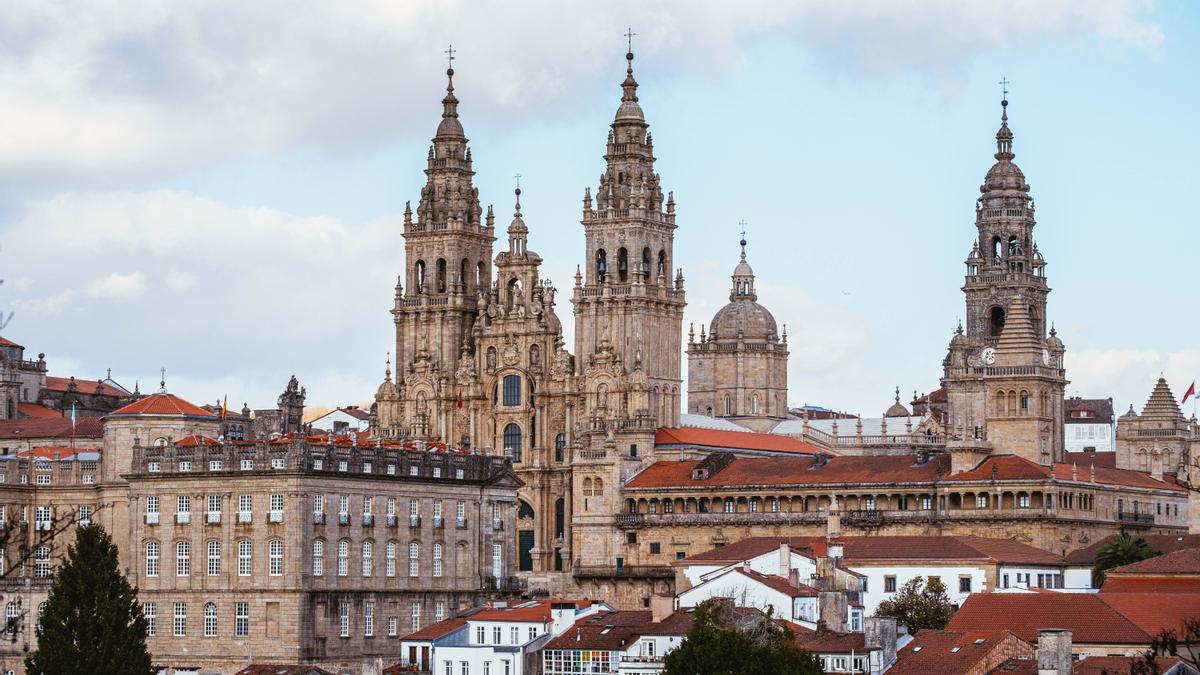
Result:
<point x="288" y="549"/>
<point x="1160" y="439"/>
<point x="739" y="368"/>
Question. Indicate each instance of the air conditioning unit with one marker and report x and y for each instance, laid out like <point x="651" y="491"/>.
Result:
<point x="214" y="517"/>
<point x="275" y="517"/>
<point x="151" y="518"/>
<point x="244" y="516"/>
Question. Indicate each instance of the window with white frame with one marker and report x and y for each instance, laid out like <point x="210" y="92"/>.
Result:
<point x="276" y="503"/>
<point x="179" y="623"/>
<point x="391" y="507"/>
<point x="416" y="616"/>
<point x="247" y="465"/>
<point x="981" y="502"/>
<point x="150" y="612"/>
<point x="241" y="619"/>
<point x="393" y="627"/>
<point x="275" y="558"/>
<point x="437" y="510"/>
<point x="318" y="558"/>
<point x="437" y="472"/>
<point x="214" y="505"/>
<point x="729" y="506"/>
<point x="343" y="505"/>
<point x="391" y="469"/>
<point x="343" y="466"/>
<point x="368" y="558"/>
<point x="41" y="562"/>
<point x="185" y="467"/>
<point x="343" y="560"/>
<point x="414" y="507"/>
<point x="152" y="554"/>
<point x="437" y="560"/>
<point x="414" y="555"/>
<point x="43" y="515"/>
<point x="85" y="515"/>
<point x="215" y="465"/>
<point x="368" y="467"/>
<point x="390" y="559"/>
<point x="183" y="505"/>
<point x="210" y="619"/>
<point x="318" y="464"/>
<point x="245" y="557"/>
<point x="412" y="470"/>
<point x="367" y="504"/>
<point x="439" y="611"/>
<point x="369" y="618"/>
<point x="319" y="504"/>
<point x="214" y="558"/>
<point x="460" y="512"/>
<point x="154" y="467"/>
<point x="183" y="558"/>
<point x="277" y="463"/>
<point x="1023" y="500"/>
<point x="344" y="619"/>
<point x="245" y="506"/>
<point x="152" y="505"/>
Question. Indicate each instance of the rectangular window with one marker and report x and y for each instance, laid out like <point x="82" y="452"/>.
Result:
<point x="655" y="547"/>
<point x="245" y="559"/>
<point x="981" y="502"/>
<point x="393" y="628"/>
<point x="247" y="465"/>
<point x="367" y="467"/>
<point x="391" y="471"/>
<point x="210" y="620"/>
<point x="154" y="467"/>
<point x="183" y="558"/>
<point x="275" y="558"/>
<point x="85" y="515"/>
<point x="214" y="558"/>
<point x="319" y="504"/>
<point x="514" y="635"/>
<point x="318" y="464"/>
<point x="870" y="503"/>
<point x="964" y="584"/>
<point x="185" y="467"/>
<point x="512" y="390"/>
<point x="496" y="634"/>
<point x="180" y="620"/>
<point x="480" y="636"/>
<point x="150" y="611"/>
<point x="214" y="465"/>
<point x="1023" y="500"/>
<point x="439" y="611"/>
<point x="277" y="504"/>
<point x="343" y="466"/>
<point x="277" y="463"/>
<point x="416" y="616"/>
<point x="391" y="507"/>
<point x="343" y="505"/>
<point x="889" y="584"/>
<point x="344" y="619"/>
<point x="368" y="618"/>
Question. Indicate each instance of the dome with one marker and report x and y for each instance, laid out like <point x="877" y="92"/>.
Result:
<point x="1004" y="175"/>
<point x="629" y="110"/>
<point x="753" y="320"/>
<point x="897" y="409"/>
<point x="743" y="269"/>
<point x="449" y="126"/>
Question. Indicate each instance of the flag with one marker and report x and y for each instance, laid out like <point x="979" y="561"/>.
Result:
<point x="72" y="417"/>
<point x="1189" y="393"/>
<point x="225" y="407"/>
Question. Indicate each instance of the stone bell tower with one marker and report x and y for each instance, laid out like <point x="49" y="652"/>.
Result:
<point x="1003" y="375"/>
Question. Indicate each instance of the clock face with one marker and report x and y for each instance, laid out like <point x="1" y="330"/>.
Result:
<point x="989" y="355"/>
<point x="1046" y="356"/>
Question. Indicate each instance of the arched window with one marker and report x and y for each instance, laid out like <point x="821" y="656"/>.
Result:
<point x="464" y="274"/>
<point x="601" y="265"/>
<point x="11" y="614"/>
<point x="662" y="263"/>
<point x="598" y="487"/>
<point x="512" y="390"/>
<point x="414" y="559"/>
<point x="560" y="444"/>
<point x="646" y="261"/>
<point x="420" y="276"/>
<point x="368" y="558"/>
<point x="622" y="264"/>
<point x="1024" y="402"/>
<point x="524" y="510"/>
<point x="152" y="557"/>
<point x="995" y="321"/>
<point x="245" y="558"/>
<point x="214" y="558"/>
<point x="996" y="248"/>
<point x="390" y="559"/>
<point x="479" y="275"/>
<point x="754" y="404"/>
<point x="441" y="275"/>
<point x="318" y="558"/>
<point x="587" y="487"/>
<point x="560" y="516"/>
<point x="512" y="441"/>
<point x="437" y="560"/>
<point x="210" y="619"/>
<point x="728" y="405"/>
<point x="343" y="559"/>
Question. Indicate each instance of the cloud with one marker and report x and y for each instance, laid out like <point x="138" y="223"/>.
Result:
<point x="89" y="89"/>
<point x="117" y="286"/>
<point x="1128" y="375"/>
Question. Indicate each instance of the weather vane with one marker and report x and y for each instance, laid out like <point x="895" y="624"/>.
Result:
<point x="517" y="177"/>
<point x="1004" y="82"/>
<point x="629" y="35"/>
<point x="449" y="52"/>
<point x="742" y="223"/>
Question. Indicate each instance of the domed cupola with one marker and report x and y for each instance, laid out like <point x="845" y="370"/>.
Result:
<point x="743" y="317"/>
<point x="1004" y="176"/>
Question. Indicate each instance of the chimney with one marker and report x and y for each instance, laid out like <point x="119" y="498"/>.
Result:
<point x="662" y="605"/>
<point x="785" y="559"/>
<point x="1054" y="651"/>
<point x="794" y="577"/>
<point x="833" y="610"/>
<point x="879" y="632"/>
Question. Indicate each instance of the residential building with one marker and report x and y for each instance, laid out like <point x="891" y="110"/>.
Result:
<point x="343" y="420"/>
<point x="960" y="652"/>
<point x="1089" y="424"/>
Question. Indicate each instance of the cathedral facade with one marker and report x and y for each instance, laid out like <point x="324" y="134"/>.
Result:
<point x="480" y="358"/>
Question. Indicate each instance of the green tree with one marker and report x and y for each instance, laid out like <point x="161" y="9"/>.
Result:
<point x="1123" y="550"/>
<point x="919" y="605"/>
<point x="723" y="641"/>
<point x="92" y="622"/>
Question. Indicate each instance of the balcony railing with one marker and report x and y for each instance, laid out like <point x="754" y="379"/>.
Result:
<point x="624" y="572"/>
<point x="505" y="584"/>
<point x="1136" y="518"/>
<point x="747" y="518"/>
<point x="629" y="521"/>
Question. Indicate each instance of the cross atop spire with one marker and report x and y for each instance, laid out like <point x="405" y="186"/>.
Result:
<point x="449" y="52"/>
<point x="162" y="383"/>
<point x="1004" y="82"/>
<point x="629" y="35"/>
<point x="742" y="223"/>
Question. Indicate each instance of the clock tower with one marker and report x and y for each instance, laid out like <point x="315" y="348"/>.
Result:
<point x="1003" y="376"/>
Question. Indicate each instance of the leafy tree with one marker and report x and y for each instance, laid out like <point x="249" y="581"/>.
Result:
<point x="722" y="642"/>
<point x="1123" y="550"/>
<point x="920" y="604"/>
<point x="1183" y="643"/>
<point x="92" y="622"/>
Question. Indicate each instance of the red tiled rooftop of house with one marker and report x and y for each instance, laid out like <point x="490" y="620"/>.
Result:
<point x="85" y="386"/>
<point x="1106" y="665"/>
<point x="9" y="343"/>
<point x="1011" y="467"/>
<point x="1163" y="543"/>
<point x="38" y="411"/>
<point x="195" y="441"/>
<point x="538" y="611"/>
<point x="1183" y="561"/>
<point x="1090" y="619"/>
<point x="731" y="440"/>
<point x="436" y="630"/>
<point x="1106" y="460"/>
<point x="55" y="452"/>
<point x="947" y="651"/>
<point x="891" y="548"/>
<point x="162" y="404"/>
<point x="604" y="631"/>
<point x="1154" y="612"/>
<point x="1152" y="584"/>
<point x="793" y="470"/>
<point x="84" y="427"/>
<point x="780" y="584"/>
<point x="825" y="642"/>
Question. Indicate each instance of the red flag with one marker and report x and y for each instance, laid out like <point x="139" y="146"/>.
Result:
<point x="1189" y="393"/>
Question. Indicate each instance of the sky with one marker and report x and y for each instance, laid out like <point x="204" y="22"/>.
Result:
<point x="216" y="188"/>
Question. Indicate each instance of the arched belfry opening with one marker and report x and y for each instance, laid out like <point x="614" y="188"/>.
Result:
<point x="995" y="321"/>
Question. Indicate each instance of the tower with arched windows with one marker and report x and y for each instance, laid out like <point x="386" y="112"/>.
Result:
<point x="1003" y="375"/>
<point x="448" y="265"/>
<point x="738" y="368"/>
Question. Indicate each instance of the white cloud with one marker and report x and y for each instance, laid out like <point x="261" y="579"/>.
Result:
<point x="117" y="286"/>
<point x="1128" y="375"/>
<point x="95" y="87"/>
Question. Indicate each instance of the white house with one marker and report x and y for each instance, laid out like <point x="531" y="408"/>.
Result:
<point x="341" y="421"/>
<point x="783" y="597"/>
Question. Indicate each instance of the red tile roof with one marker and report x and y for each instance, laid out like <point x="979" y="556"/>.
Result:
<point x="85" y="427"/>
<point x="535" y="612"/>
<point x="162" y="404"/>
<point x="85" y="386"/>
<point x="9" y="343"/>
<point x="1011" y="467"/>
<point x="1163" y="543"/>
<point x="825" y="642"/>
<point x="731" y="440"/>
<point x="356" y="412"/>
<point x="55" y="452"/>
<point x="436" y="630"/>
<point x="604" y="631"/>
<point x="947" y="651"/>
<point x="38" y="411"/>
<point x="1184" y="561"/>
<point x="1090" y="619"/>
<point x="793" y="470"/>
<point x="1106" y="460"/>
<point x="1104" y="665"/>
<point x="891" y="548"/>
<point x="1151" y="584"/>
<point x="196" y="441"/>
<point x="1154" y="612"/>
<point x="780" y="584"/>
